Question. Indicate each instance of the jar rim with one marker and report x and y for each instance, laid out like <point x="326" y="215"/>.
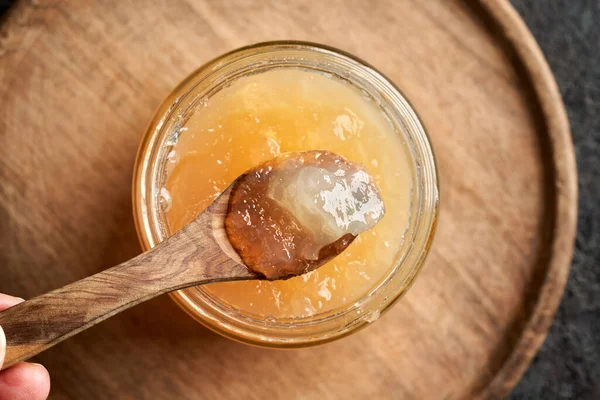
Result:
<point x="331" y="325"/>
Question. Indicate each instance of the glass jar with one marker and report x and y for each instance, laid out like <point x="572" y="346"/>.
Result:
<point x="165" y="127"/>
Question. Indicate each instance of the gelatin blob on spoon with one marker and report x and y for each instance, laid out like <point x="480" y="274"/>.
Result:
<point x="294" y="213"/>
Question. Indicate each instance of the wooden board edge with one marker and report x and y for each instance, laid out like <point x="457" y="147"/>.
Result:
<point x="518" y="37"/>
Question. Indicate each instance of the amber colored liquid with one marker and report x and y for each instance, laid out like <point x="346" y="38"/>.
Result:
<point x="257" y="118"/>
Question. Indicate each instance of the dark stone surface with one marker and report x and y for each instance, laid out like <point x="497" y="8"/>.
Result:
<point x="4" y="5"/>
<point x="568" y="365"/>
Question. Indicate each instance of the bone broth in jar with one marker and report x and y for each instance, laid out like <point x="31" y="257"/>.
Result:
<point x="252" y="105"/>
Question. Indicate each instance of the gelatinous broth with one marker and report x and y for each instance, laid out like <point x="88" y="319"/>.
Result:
<point x="292" y="214"/>
<point x="256" y="119"/>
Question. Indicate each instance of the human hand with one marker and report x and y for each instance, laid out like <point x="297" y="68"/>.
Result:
<point x="23" y="381"/>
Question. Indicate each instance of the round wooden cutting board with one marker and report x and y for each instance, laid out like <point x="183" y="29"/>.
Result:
<point x="79" y="80"/>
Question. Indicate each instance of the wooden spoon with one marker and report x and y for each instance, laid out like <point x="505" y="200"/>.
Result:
<point x="200" y="253"/>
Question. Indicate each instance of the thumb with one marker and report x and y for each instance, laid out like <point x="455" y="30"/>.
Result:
<point x="2" y="346"/>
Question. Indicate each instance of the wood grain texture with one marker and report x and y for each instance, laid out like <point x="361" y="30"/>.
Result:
<point x="198" y="254"/>
<point x="80" y="79"/>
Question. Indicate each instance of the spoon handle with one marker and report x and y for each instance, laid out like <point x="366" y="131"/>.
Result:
<point x="184" y="260"/>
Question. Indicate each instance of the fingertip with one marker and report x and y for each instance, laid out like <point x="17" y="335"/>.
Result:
<point x="25" y="381"/>
<point x="7" y="301"/>
<point x="2" y="346"/>
<point x="41" y="378"/>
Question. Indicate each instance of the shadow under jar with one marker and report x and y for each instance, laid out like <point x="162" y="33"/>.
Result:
<point x="247" y="107"/>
